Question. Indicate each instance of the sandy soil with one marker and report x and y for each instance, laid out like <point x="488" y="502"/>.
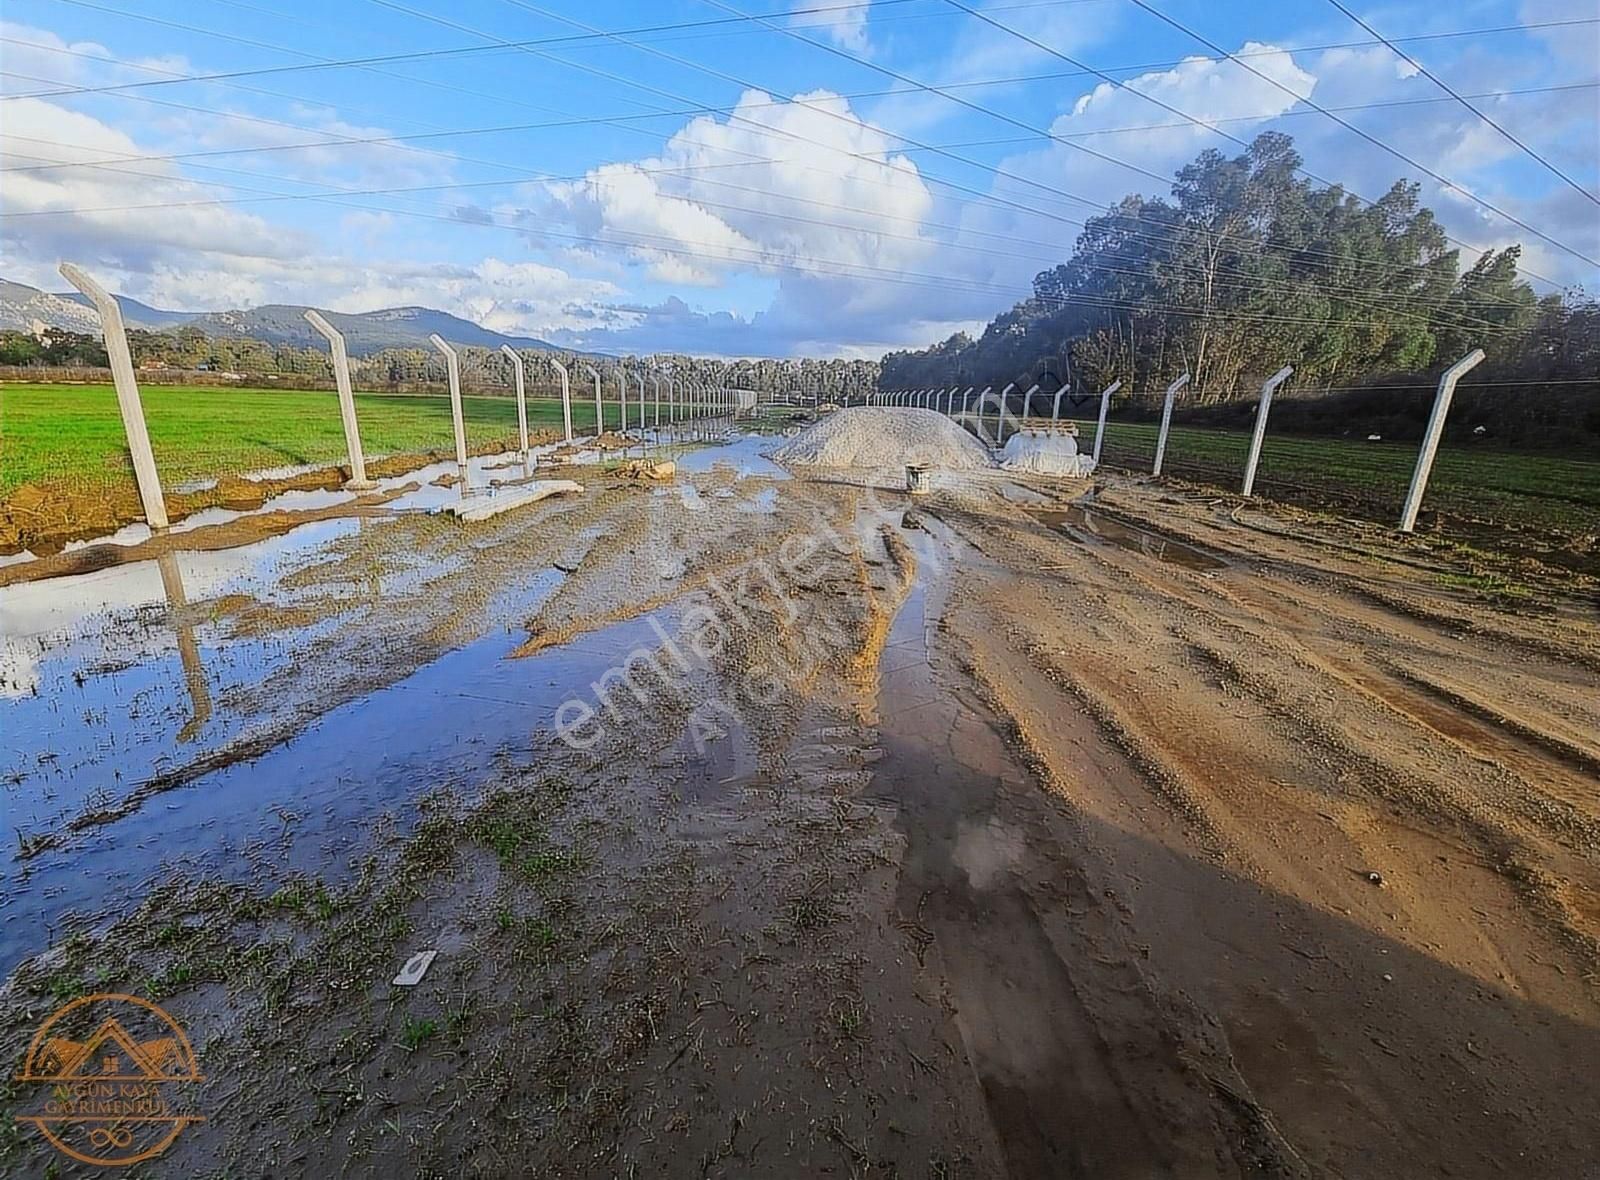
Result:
<point x="1022" y="830"/>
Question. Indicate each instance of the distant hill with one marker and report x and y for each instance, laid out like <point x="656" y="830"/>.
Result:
<point x="21" y="307"/>
<point x="276" y="323"/>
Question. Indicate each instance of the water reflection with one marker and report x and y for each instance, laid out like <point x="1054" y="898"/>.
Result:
<point x="194" y="673"/>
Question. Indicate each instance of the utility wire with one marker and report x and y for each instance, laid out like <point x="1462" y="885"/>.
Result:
<point x="1368" y="137"/>
<point x="824" y="110"/>
<point x="1448" y="89"/>
<point x="838" y="52"/>
<point x="821" y="267"/>
<point x="1098" y="266"/>
<point x="239" y="116"/>
<point x="1255" y="284"/>
<point x="65" y="90"/>
<point x="767" y="23"/>
<point x="764" y="128"/>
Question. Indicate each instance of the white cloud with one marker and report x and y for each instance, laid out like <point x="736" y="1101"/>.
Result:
<point x="32" y="54"/>
<point x="123" y="214"/>
<point x="1208" y="90"/>
<point x="148" y="232"/>
<point x="800" y="188"/>
<point x="809" y="205"/>
<point x="845" y="24"/>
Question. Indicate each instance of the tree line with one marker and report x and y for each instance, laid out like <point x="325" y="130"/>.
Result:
<point x="483" y="370"/>
<point x="1247" y="267"/>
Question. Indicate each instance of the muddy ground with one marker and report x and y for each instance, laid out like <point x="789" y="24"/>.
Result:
<point x="1029" y="828"/>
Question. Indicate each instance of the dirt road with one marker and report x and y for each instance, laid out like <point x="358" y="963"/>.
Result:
<point x="1025" y="830"/>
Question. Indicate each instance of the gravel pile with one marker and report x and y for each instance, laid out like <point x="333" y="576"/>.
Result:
<point x="877" y="436"/>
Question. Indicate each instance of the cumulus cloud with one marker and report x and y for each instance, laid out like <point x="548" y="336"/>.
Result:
<point x="844" y="24"/>
<point x="805" y="192"/>
<point x="117" y="214"/>
<point x="673" y="325"/>
<point x="803" y="187"/>
<point x="805" y="213"/>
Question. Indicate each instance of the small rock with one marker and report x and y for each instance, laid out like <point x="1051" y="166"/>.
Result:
<point x="1375" y="877"/>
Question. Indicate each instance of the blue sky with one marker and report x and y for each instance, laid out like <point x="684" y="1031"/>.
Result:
<point x="777" y="186"/>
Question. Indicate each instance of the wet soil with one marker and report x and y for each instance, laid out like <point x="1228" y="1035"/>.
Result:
<point x="43" y="518"/>
<point x="1025" y="832"/>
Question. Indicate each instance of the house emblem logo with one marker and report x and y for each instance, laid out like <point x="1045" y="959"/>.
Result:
<point x="114" y="1080"/>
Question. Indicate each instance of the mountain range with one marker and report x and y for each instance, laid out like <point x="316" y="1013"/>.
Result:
<point x="21" y="307"/>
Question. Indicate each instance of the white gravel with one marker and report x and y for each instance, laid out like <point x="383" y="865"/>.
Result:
<point x="879" y="436"/>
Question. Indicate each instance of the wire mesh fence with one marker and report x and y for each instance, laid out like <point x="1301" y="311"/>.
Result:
<point x="1478" y="482"/>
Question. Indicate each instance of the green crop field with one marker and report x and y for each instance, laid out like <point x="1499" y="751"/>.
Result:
<point x="73" y="433"/>
<point x="1371" y="478"/>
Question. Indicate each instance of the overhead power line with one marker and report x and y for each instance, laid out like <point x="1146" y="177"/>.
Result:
<point x="719" y="253"/>
<point x="1367" y="136"/>
<point x="846" y="55"/>
<point x="228" y="76"/>
<point x="1258" y="282"/>
<point x="768" y="130"/>
<point x="737" y="15"/>
<point x="1448" y="89"/>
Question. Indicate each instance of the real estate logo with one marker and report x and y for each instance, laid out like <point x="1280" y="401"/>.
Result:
<point x="116" y="1080"/>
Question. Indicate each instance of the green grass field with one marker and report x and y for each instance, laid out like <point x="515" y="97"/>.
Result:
<point x="74" y="433"/>
<point x="1542" y="491"/>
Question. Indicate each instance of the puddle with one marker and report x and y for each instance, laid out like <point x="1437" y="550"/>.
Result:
<point x="961" y="800"/>
<point x="745" y="454"/>
<point x="306" y="804"/>
<point x="719" y="756"/>
<point x="765" y="501"/>
<point x="1015" y="493"/>
<point x="1084" y="524"/>
<point x="484" y="471"/>
<point x="113" y="678"/>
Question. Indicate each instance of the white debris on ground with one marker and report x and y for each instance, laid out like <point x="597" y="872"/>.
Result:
<point x="879" y="436"/>
<point x="1046" y="452"/>
<point x="483" y="505"/>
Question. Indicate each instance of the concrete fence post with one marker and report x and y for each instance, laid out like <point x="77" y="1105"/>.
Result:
<point x="599" y="406"/>
<point x="452" y="365"/>
<point x="1166" y="422"/>
<point x="1268" y="388"/>
<point x="1055" y="407"/>
<point x="622" y="397"/>
<point x="519" y="377"/>
<point x="347" y="400"/>
<point x="1027" y="405"/>
<point x="1000" y="417"/>
<point x="1431" y="437"/>
<point x="128" y="400"/>
<point x="566" y="398"/>
<point x="639" y="383"/>
<point x="1100" y="426"/>
<point x="656" y="381"/>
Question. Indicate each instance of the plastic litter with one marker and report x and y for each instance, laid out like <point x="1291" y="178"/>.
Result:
<point x="416" y="967"/>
